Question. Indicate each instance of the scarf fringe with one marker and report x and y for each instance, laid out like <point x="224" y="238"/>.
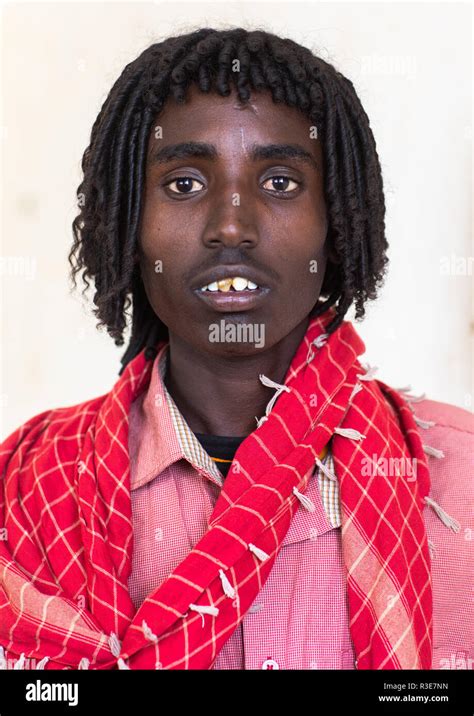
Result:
<point x="305" y="501"/>
<point x="259" y="553"/>
<point x="357" y="389"/>
<point x="423" y="423"/>
<point x="229" y="590"/>
<point x="415" y="398"/>
<point x="116" y="648"/>
<point x="280" y="388"/>
<point x="20" y="663"/>
<point x="434" y="452"/>
<point x="114" y="645"/>
<point x="202" y="610"/>
<point x="318" y="342"/>
<point x="432" y="549"/>
<point x="369" y="374"/>
<point x="349" y="433"/>
<point x="443" y="515"/>
<point x="324" y="469"/>
<point x="148" y="633"/>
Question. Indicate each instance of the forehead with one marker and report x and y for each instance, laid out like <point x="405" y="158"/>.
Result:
<point x="210" y="117"/>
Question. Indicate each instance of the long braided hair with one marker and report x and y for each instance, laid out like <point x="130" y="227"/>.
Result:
<point x="105" y="245"/>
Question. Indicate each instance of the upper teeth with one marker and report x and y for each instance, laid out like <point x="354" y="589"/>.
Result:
<point x="238" y="283"/>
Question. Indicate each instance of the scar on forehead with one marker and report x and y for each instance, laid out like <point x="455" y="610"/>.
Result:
<point x="242" y="139"/>
<point x="247" y="105"/>
<point x="253" y="108"/>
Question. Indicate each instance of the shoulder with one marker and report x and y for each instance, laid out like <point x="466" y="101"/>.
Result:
<point x="56" y="429"/>
<point x="448" y="418"/>
<point x="448" y="429"/>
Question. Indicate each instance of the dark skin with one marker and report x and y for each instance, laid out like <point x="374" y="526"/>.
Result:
<point x="194" y="224"/>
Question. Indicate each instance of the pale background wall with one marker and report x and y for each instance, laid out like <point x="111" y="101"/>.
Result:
<point x="411" y="64"/>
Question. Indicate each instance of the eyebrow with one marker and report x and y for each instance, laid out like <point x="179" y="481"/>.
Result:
<point x="203" y="150"/>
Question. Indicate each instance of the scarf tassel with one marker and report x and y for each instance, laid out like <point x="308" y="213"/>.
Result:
<point x="84" y="664"/>
<point x="213" y="611"/>
<point x="20" y="664"/>
<point x="415" y="398"/>
<point x="305" y="501"/>
<point x="357" y="388"/>
<point x="114" y="644"/>
<point x="432" y="549"/>
<point x="115" y="648"/>
<point x="324" y="469"/>
<point x="229" y="590"/>
<point x="349" y="433"/>
<point x="434" y="452"/>
<point x="279" y="390"/>
<point x="319" y="343"/>
<point x="259" y="553"/>
<point x="443" y="516"/>
<point x="148" y="633"/>
<point x="369" y="374"/>
<point x="423" y="423"/>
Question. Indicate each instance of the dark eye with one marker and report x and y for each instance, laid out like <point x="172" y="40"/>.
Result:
<point x="281" y="184"/>
<point x="184" y="185"/>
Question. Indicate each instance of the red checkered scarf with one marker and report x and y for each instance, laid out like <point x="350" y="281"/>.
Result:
<point x="65" y="503"/>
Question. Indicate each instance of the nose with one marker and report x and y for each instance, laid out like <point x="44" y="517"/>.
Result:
<point x="231" y="223"/>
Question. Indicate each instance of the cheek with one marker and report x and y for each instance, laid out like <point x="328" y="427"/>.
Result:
<point x="155" y="263"/>
<point x="159" y="249"/>
<point x="301" y="256"/>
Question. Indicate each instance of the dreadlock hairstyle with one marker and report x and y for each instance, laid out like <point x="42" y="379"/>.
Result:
<point x="106" y="230"/>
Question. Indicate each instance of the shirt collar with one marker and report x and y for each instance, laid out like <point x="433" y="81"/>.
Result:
<point x="160" y="435"/>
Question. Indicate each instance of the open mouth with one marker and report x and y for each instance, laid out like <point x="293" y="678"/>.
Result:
<point x="232" y="294"/>
<point x="236" y="283"/>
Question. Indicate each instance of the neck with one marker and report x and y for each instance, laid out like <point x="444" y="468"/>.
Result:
<point x="222" y="395"/>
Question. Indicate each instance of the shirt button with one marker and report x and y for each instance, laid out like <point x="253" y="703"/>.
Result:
<point x="270" y="664"/>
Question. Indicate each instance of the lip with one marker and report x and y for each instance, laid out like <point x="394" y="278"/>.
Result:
<point x="233" y="301"/>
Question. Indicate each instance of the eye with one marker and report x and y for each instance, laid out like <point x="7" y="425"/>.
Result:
<point x="281" y="184"/>
<point x="184" y="185"/>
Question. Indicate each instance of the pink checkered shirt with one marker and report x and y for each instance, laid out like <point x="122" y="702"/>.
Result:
<point x="300" y="618"/>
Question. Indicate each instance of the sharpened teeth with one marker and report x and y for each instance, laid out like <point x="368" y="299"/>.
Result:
<point x="237" y="283"/>
<point x="225" y="284"/>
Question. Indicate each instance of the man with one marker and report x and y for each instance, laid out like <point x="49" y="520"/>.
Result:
<point x="248" y="495"/>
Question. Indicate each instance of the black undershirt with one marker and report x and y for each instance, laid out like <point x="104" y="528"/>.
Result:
<point x="220" y="448"/>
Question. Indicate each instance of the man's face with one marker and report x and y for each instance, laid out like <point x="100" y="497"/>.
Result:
<point x="232" y="191"/>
